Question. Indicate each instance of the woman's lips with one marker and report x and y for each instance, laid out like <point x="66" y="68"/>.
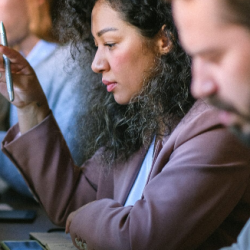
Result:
<point x="110" y="85"/>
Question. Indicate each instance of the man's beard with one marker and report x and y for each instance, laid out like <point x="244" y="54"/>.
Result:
<point x="234" y="128"/>
<point x="242" y="136"/>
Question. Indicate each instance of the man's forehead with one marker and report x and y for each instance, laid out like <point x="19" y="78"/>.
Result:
<point x="197" y="21"/>
<point x="214" y="9"/>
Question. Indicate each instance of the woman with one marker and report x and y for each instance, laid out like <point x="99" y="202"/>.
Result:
<point x="166" y="174"/>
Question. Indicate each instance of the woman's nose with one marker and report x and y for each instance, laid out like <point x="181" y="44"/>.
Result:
<point x="99" y="64"/>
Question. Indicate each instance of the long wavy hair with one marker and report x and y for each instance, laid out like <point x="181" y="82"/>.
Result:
<point x="165" y="98"/>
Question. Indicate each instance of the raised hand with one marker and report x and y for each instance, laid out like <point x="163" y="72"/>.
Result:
<point x="29" y="99"/>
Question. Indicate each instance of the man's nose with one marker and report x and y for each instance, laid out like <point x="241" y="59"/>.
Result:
<point x="203" y="84"/>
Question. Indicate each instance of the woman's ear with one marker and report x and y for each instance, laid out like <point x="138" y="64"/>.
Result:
<point x="163" y="42"/>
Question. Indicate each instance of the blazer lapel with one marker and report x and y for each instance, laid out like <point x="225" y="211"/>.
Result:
<point x="125" y="175"/>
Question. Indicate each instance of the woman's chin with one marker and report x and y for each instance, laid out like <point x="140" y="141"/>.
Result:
<point x="121" y="100"/>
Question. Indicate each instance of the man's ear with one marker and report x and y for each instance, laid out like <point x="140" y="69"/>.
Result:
<point x="163" y="42"/>
<point x="39" y="3"/>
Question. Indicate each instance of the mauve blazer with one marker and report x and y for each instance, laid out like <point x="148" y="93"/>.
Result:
<point x="196" y="197"/>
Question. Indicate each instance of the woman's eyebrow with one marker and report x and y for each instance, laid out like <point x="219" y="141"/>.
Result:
<point x="101" y="32"/>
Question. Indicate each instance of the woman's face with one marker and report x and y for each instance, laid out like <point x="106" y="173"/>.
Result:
<point x="122" y="56"/>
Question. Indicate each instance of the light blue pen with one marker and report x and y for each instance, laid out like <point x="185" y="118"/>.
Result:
<point x="7" y="64"/>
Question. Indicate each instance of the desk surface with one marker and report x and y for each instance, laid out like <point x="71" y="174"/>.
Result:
<point x="20" y="231"/>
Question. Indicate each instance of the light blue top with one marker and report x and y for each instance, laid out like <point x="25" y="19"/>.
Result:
<point x="59" y="82"/>
<point x="40" y="52"/>
<point x="140" y="182"/>
<point x="243" y="241"/>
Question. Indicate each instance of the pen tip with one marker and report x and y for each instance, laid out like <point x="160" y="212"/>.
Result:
<point x="11" y="96"/>
<point x="2" y="28"/>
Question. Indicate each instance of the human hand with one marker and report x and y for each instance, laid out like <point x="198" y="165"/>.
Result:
<point x="72" y="215"/>
<point x="29" y="99"/>
<point x="70" y="218"/>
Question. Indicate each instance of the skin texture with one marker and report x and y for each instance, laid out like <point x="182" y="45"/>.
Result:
<point x="220" y="52"/>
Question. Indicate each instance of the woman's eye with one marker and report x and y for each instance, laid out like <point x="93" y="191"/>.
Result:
<point x="110" y="45"/>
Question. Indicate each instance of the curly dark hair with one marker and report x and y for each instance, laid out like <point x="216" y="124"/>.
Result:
<point x="165" y="98"/>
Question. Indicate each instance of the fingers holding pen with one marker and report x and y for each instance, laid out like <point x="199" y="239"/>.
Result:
<point x="2" y="76"/>
<point x="23" y="75"/>
<point x="30" y="100"/>
<point x="5" y="65"/>
<point x="1" y="62"/>
<point x="3" y="87"/>
<point x="25" y="83"/>
<point x="18" y="62"/>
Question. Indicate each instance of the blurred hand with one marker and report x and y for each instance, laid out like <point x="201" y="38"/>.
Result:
<point x="70" y="218"/>
<point x="72" y="215"/>
<point x="29" y="99"/>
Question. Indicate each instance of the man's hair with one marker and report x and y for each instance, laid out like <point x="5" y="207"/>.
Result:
<point x="239" y="11"/>
<point x="121" y="130"/>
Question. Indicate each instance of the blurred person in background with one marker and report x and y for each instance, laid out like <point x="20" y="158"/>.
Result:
<point x="29" y="30"/>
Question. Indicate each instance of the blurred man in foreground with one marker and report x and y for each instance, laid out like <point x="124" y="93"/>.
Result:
<point x="217" y="36"/>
